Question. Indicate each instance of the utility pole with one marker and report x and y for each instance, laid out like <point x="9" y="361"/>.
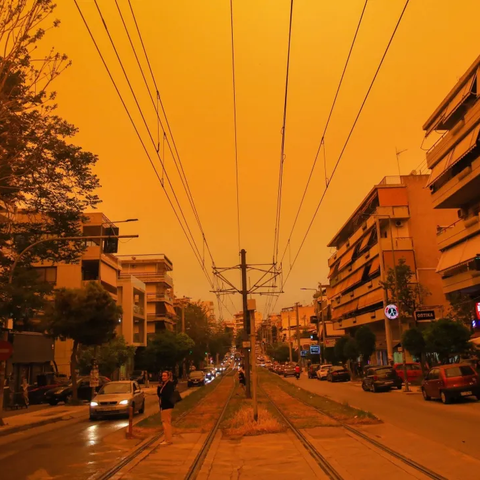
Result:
<point x="246" y="321"/>
<point x="184" y="367"/>
<point x="289" y="339"/>
<point x="298" y="333"/>
<point x="254" y="363"/>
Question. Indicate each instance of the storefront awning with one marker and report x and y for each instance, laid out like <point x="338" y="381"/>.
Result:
<point x="459" y="254"/>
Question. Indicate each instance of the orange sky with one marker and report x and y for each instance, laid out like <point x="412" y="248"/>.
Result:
<point x="189" y="46"/>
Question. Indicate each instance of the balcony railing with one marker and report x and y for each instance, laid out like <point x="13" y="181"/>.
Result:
<point x="148" y="276"/>
<point x="158" y="317"/>
<point x="160" y="297"/>
<point x="139" y="310"/>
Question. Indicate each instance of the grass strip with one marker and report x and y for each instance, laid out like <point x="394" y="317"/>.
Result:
<point x="342" y="412"/>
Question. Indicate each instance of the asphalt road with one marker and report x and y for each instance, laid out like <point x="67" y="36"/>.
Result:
<point x="74" y="450"/>
<point x="455" y="425"/>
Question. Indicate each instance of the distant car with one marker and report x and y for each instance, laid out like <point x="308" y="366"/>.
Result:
<point x="289" y="370"/>
<point x="115" y="398"/>
<point x="210" y="374"/>
<point x="196" y="379"/>
<point x="65" y="392"/>
<point x="414" y="371"/>
<point x="322" y="372"/>
<point x="338" y="374"/>
<point x="451" y="382"/>
<point x="279" y="369"/>
<point x="381" y="378"/>
<point x="312" y="370"/>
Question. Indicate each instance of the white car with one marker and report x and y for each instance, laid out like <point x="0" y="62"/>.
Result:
<point x="322" y="372"/>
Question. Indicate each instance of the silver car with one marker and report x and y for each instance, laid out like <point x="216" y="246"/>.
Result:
<point x="115" y="398"/>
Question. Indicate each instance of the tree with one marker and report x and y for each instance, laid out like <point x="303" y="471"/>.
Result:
<point x="109" y="357"/>
<point x="402" y="290"/>
<point x="46" y="183"/>
<point x="87" y="315"/>
<point x="220" y="340"/>
<point x="350" y="349"/>
<point x="339" y="349"/>
<point x="447" y="337"/>
<point x="463" y="308"/>
<point x="366" y="341"/>
<point x="414" y="341"/>
<point x="165" y="350"/>
<point x="279" y="352"/>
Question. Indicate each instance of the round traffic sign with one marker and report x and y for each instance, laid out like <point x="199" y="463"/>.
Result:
<point x="6" y="350"/>
<point x="391" y="312"/>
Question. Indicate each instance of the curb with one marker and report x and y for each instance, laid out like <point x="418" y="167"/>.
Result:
<point x="4" y="431"/>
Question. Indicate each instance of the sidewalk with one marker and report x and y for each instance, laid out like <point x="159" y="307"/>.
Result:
<point x="38" y="418"/>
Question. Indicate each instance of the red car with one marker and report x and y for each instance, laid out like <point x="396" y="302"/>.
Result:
<point x="414" y="371"/>
<point x="449" y="382"/>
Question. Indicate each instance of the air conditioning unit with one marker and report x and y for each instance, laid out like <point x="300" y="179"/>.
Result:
<point x="398" y="223"/>
<point x="462" y="213"/>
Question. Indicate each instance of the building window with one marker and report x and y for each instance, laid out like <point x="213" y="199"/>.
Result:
<point x="90" y="269"/>
<point x="47" y="274"/>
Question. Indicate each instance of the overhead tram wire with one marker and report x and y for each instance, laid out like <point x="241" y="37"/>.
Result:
<point x="146" y="125"/>
<point x="179" y="164"/>
<point x="143" y="143"/>
<point x="282" y="149"/>
<point x="327" y="123"/>
<point x="235" y="124"/>
<point x="346" y="143"/>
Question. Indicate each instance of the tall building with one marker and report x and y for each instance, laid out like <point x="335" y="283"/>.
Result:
<point x="153" y="270"/>
<point x="396" y="220"/>
<point x="455" y="183"/>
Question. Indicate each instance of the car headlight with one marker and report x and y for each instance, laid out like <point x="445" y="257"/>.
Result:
<point x="93" y="404"/>
<point x="123" y="402"/>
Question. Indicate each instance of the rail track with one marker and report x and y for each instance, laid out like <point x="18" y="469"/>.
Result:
<point x="326" y="466"/>
<point x="149" y="444"/>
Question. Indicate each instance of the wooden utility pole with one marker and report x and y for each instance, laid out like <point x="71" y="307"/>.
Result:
<point x="246" y="321"/>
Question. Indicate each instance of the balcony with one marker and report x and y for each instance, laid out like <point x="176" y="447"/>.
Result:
<point x="159" y="317"/>
<point x="399" y="243"/>
<point x="458" y="231"/>
<point x="395" y="212"/>
<point x="460" y="190"/>
<point x="138" y="310"/>
<point x="149" y="277"/>
<point x="159" y="297"/>
<point x="461" y="281"/>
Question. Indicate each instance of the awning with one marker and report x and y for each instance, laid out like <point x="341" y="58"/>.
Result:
<point x="459" y="254"/>
<point x="333" y="270"/>
<point x="365" y="241"/>
<point x="458" y="99"/>
<point x="344" y="309"/>
<point x="370" y="298"/>
<point x="346" y="258"/>
<point x="170" y="310"/>
<point x="350" y="281"/>
<point x="462" y="148"/>
<point x="375" y="265"/>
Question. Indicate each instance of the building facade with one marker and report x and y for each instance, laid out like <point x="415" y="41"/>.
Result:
<point x="455" y="183"/>
<point x="396" y="220"/>
<point x="153" y="271"/>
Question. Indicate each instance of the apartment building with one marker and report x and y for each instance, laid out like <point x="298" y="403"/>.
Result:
<point x="288" y="316"/>
<point x="455" y="183"/>
<point x="153" y="270"/>
<point x="396" y="220"/>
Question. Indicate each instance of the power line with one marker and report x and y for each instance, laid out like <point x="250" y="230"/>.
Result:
<point x="142" y="142"/>
<point x="327" y="123"/>
<point x="146" y="125"/>
<point x="235" y="123"/>
<point x="345" y="144"/>
<point x="282" y="150"/>
<point x="179" y="165"/>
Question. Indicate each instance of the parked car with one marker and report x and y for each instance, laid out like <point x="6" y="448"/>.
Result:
<point x="322" y="372"/>
<point x="381" y="378"/>
<point x="414" y="371"/>
<point x="65" y="392"/>
<point x="196" y="379"/>
<point x="289" y="370"/>
<point x="45" y="382"/>
<point x="450" y="382"/>
<point x="338" y="374"/>
<point x="279" y="369"/>
<point x="115" y="398"/>
<point x="312" y="370"/>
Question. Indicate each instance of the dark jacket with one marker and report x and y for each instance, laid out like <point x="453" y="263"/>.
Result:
<point x="165" y="393"/>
